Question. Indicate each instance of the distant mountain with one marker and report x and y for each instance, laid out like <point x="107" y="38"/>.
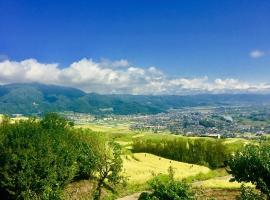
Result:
<point x="33" y="98"/>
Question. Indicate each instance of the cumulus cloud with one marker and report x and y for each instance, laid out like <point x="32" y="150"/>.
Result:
<point x="256" y="54"/>
<point x="118" y="76"/>
<point x="115" y="64"/>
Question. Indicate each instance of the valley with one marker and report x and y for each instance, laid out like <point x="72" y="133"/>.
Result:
<point x="194" y="140"/>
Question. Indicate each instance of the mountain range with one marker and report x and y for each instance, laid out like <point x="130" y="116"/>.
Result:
<point x="36" y="98"/>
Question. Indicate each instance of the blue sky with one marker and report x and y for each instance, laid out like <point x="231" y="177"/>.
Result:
<point x="226" y="39"/>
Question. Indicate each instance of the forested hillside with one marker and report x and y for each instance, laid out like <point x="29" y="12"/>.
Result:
<point x="35" y="98"/>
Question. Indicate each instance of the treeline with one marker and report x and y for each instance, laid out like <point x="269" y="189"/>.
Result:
<point x="38" y="158"/>
<point x="203" y="151"/>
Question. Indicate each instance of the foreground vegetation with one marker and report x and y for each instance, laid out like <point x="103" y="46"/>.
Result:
<point x="169" y="189"/>
<point x="38" y="158"/>
<point x="253" y="165"/>
<point x="49" y="158"/>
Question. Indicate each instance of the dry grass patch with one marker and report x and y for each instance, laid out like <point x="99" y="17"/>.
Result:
<point x="220" y="183"/>
<point x="141" y="167"/>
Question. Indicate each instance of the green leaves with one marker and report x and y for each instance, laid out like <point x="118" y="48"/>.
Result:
<point x="38" y="158"/>
<point x="109" y="167"/>
<point x="252" y="165"/>
<point x="209" y="152"/>
<point x="168" y="190"/>
<point x="248" y="193"/>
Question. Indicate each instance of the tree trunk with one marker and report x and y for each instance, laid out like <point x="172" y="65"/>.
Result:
<point x="98" y="189"/>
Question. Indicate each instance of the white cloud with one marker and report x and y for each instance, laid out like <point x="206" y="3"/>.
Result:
<point x="118" y="77"/>
<point x="115" y="64"/>
<point x="256" y="54"/>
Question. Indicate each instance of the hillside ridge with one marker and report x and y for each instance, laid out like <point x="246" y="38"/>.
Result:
<point x="37" y="98"/>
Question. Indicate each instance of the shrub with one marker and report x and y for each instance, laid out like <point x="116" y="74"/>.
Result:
<point x="248" y="193"/>
<point x="171" y="190"/>
<point x="145" y="196"/>
<point x="168" y="189"/>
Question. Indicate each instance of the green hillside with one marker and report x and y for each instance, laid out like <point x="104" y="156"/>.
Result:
<point x="35" y="98"/>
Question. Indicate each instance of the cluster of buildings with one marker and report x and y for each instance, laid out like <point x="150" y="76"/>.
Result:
<point x="214" y="122"/>
<point x="78" y="118"/>
<point x="211" y="122"/>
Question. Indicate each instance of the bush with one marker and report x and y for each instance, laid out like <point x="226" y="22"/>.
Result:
<point x="168" y="189"/>
<point x="248" y="193"/>
<point x="171" y="190"/>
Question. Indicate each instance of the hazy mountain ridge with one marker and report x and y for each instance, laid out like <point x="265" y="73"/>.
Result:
<point x="33" y="98"/>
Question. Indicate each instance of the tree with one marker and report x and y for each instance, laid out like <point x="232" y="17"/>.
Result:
<point x="109" y="167"/>
<point x="35" y="163"/>
<point x="86" y="156"/>
<point x="252" y="164"/>
<point x="54" y="121"/>
<point x="39" y="157"/>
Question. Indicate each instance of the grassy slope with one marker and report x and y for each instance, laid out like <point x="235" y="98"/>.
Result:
<point x="140" y="167"/>
<point x="218" y="183"/>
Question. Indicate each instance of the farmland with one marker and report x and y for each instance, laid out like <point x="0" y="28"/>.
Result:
<point x="142" y="163"/>
<point x="141" y="167"/>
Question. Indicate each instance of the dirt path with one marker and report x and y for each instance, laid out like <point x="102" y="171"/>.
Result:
<point x="200" y="183"/>
<point x="134" y="196"/>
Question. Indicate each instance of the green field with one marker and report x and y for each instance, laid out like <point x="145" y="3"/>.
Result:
<point x="141" y="167"/>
